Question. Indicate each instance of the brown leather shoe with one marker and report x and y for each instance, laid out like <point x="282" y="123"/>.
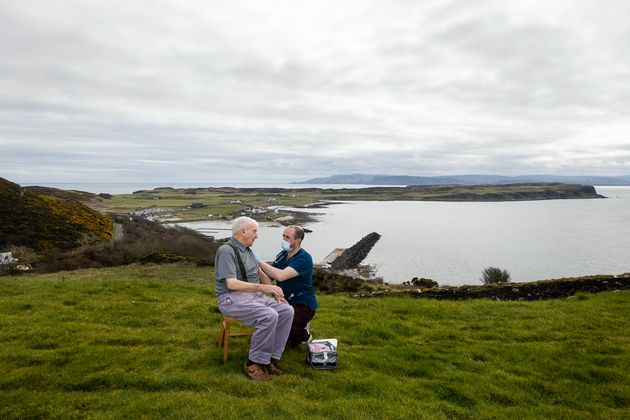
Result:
<point x="274" y="369"/>
<point x="255" y="372"/>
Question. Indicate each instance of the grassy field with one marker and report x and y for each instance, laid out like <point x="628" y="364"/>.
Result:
<point x="216" y="202"/>
<point x="141" y="341"/>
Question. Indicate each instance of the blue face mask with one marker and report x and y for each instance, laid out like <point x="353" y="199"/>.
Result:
<point x="285" y="245"/>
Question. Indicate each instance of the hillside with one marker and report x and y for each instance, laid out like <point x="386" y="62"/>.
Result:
<point x="140" y="341"/>
<point x="502" y="192"/>
<point x="45" y="222"/>
<point x="367" y="179"/>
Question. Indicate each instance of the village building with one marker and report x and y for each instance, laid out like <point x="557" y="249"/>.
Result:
<point x="256" y="210"/>
<point x="252" y="212"/>
<point x="155" y="213"/>
<point x="6" y="257"/>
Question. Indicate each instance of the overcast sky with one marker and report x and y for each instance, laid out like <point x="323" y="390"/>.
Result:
<point x="280" y="91"/>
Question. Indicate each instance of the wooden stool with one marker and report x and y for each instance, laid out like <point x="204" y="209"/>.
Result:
<point x="226" y="326"/>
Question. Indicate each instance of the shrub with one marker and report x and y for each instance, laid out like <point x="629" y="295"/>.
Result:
<point x="492" y="275"/>
<point x="143" y="241"/>
<point x="47" y="222"/>
<point x="423" y="282"/>
<point x="330" y="282"/>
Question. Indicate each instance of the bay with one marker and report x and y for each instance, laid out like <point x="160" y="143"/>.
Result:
<point x="452" y="242"/>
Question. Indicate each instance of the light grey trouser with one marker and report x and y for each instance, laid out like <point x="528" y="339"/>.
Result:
<point x="272" y="321"/>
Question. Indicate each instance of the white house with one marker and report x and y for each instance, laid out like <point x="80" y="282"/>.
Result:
<point x="6" y="257"/>
<point x="256" y="210"/>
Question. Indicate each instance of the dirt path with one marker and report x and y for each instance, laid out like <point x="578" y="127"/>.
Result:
<point x="119" y="235"/>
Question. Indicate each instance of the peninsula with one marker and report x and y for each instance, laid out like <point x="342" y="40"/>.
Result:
<point x="187" y="204"/>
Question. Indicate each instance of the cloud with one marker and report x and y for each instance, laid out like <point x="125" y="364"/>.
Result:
<point x="281" y="91"/>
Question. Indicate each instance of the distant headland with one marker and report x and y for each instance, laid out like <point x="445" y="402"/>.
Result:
<point x="368" y="179"/>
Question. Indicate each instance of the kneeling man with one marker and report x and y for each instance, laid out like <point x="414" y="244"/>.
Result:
<point x="293" y="270"/>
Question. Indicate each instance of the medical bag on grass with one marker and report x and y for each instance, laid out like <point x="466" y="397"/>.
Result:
<point x="322" y="353"/>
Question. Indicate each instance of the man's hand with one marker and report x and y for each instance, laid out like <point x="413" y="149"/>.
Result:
<point x="276" y="291"/>
<point x="243" y="286"/>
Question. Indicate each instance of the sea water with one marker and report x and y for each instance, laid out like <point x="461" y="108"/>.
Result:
<point x="452" y="242"/>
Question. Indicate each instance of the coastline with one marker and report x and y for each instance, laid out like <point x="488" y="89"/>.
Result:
<point x="534" y="290"/>
<point x="423" y="260"/>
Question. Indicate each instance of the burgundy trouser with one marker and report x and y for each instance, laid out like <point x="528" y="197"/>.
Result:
<point x="302" y="314"/>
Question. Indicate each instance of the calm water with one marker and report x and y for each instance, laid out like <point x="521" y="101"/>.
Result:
<point x="453" y="242"/>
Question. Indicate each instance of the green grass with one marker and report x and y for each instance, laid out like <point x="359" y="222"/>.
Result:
<point x="141" y="341"/>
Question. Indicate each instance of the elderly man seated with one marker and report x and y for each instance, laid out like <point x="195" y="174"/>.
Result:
<point x="243" y="293"/>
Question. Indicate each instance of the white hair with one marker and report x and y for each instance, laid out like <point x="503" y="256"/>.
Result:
<point x="241" y="222"/>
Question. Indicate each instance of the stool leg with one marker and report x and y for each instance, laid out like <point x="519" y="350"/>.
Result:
<point x="226" y="335"/>
<point x="221" y="335"/>
<point x="225" y="350"/>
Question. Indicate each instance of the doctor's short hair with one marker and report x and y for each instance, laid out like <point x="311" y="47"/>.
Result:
<point x="298" y="232"/>
<point x="241" y="223"/>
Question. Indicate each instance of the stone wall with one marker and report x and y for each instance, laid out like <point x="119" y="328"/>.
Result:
<point x="544" y="289"/>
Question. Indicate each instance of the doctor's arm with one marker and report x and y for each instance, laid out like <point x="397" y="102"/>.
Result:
<point x="276" y="273"/>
